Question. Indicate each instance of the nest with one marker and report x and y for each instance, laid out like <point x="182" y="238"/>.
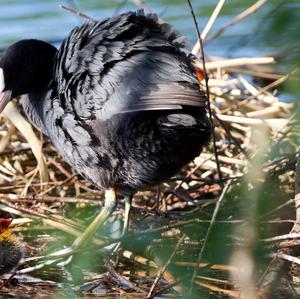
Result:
<point x="225" y="226"/>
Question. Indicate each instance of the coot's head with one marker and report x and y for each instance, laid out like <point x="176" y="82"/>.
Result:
<point x="5" y="220"/>
<point x="25" y="67"/>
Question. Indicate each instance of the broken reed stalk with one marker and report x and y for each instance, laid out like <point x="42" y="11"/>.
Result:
<point x="213" y="133"/>
<point x="208" y="26"/>
<point x="249" y="11"/>
<point x="207" y="88"/>
<point x="212" y="222"/>
<point x="163" y="269"/>
<point x="77" y="13"/>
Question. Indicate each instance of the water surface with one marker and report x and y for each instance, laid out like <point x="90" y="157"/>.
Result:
<point x="46" y="20"/>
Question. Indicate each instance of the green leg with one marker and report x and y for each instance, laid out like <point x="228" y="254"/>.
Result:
<point x="110" y="203"/>
<point x="127" y="201"/>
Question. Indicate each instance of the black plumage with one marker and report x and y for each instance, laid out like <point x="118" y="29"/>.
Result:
<point x="123" y="108"/>
<point x="119" y="100"/>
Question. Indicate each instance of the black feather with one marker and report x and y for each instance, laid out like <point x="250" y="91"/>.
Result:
<point x="124" y="106"/>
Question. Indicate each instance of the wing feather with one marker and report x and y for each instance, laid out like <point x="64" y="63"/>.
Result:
<point x="125" y="64"/>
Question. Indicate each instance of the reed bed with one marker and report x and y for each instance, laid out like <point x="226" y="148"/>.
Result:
<point x="227" y="226"/>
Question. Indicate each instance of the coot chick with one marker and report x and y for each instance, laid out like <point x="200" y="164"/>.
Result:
<point x="119" y="100"/>
<point x="10" y="250"/>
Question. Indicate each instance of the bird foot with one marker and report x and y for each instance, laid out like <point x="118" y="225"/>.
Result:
<point x="81" y="241"/>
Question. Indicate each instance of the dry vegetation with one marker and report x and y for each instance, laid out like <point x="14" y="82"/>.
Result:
<point x="222" y="234"/>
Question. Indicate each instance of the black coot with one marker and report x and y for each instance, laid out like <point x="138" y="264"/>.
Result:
<point x="119" y="100"/>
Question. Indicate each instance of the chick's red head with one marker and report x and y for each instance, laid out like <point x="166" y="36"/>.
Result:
<point x="5" y="220"/>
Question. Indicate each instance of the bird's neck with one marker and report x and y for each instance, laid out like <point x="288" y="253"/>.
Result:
<point x="33" y="108"/>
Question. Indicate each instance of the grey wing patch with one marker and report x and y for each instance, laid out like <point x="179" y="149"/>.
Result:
<point x="168" y="97"/>
<point x="172" y="120"/>
<point x="151" y="97"/>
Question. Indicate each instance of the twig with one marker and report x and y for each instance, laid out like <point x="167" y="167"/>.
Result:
<point x="242" y="61"/>
<point x="49" y="199"/>
<point x="77" y="13"/>
<point x="207" y="90"/>
<point x="6" y="281"/>
<point x="254" y="73"/>
<point x="283" y="237"/>
<point x="163" y="269"/>
<point x="273" y="123"/>
<point x="228" y="132"/>
<point x="271" y="85"/>
<point x="212" y="222"/>
<point x="296" y="227"/>
<point x="286" y="257"/>
<point x="218" y="267"/>
<point x="249" y="11"/>
<point x="208" y="25"/>
<point x="233" y="294"/>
